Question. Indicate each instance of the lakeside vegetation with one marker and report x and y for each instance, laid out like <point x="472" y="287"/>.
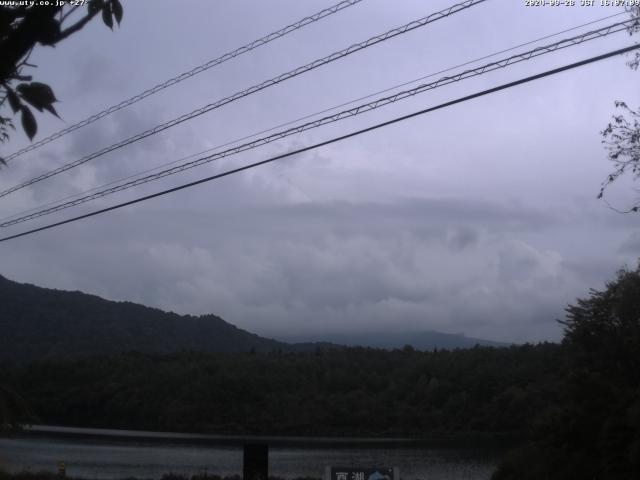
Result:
<point x="572" y="410"/>
<point x="343" y="392"/>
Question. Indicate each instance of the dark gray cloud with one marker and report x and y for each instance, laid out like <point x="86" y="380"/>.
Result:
<point x="481" y="218"/>
<point x="631" y="244"/>
<point x="321" y="266"/>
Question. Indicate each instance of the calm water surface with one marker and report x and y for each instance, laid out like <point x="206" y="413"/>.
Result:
<point x="114" y="459"/>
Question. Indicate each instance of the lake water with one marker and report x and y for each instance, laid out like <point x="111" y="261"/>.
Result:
<point x="111" y="458"/>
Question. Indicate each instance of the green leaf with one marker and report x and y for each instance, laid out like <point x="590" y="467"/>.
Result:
<point x="29" y="122"/>
<point x="37" y="94"/>
<point x="51" y="110"/>
<point x="116" y="7"/>
<point x="106" y="15"/>
<point x="14" y="101"/>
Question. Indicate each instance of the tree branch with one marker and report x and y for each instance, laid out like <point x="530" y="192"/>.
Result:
<point x="77" y="26"/>
<point x="24" y="38"/>
<point x="66" y="15"/>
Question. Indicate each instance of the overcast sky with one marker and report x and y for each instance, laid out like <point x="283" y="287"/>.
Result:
<point x="481" y="218"/>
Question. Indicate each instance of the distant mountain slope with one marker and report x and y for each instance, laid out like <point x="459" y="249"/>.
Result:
<point x="37" y="323"/>
<point x="421" y="340"/>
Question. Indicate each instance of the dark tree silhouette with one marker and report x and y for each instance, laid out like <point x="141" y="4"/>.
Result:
<point x="592" y="428"/>
<point x="24" y="27"/>
<point x="622" y="135"/>
<point x="14" y="411"/>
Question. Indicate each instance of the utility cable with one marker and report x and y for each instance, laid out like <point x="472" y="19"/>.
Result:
<point x="256" y="88"/>
<point x="299" y="119"/>
<point x="360" y="109"/>
<point x="185" y="75"/>
<point x="333" y="140"/>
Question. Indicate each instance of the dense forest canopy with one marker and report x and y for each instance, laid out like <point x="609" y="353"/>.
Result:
<point x="345" y="392"/>
<point x="574" y="407"/>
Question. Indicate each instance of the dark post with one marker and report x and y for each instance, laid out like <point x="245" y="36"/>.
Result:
<point x="256" y="462"/>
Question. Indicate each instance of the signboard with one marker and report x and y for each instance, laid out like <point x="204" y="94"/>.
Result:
<point x="362" y="473"/>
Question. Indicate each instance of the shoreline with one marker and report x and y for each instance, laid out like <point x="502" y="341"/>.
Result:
<point x="454" y="441"/>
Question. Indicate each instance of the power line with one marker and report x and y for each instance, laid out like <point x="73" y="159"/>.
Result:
<point x="333" y="118"/>
<point x="380" y="102"/>
<point x="194" y="71"/>
<point x="290" y="122"/>
<point x="256" y="88"/>
<point x="333" y="140"/>
<point x="311" y="115"/>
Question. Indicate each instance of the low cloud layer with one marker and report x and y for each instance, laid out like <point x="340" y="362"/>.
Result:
<point x="481" y="218"/>
<point x="449" y="265"/>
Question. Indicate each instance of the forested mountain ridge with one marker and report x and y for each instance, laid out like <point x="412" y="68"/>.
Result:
<point x="389" y="340"/>
<point x="40" y="323"/>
